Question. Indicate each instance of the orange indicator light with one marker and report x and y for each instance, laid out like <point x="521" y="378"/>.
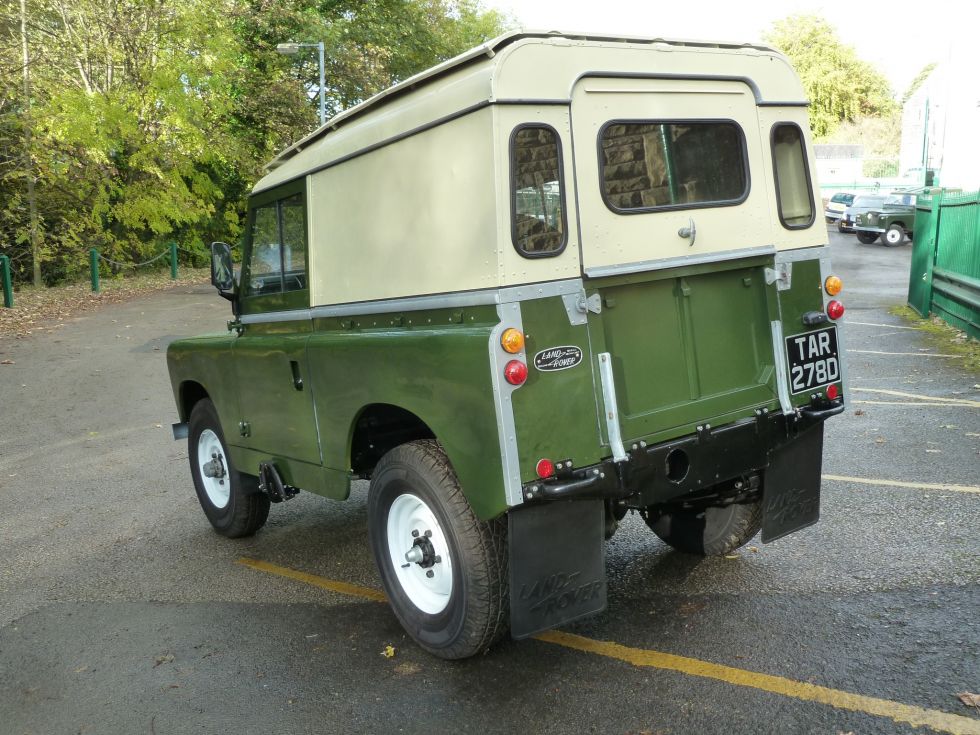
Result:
<point x="512" y="340"/>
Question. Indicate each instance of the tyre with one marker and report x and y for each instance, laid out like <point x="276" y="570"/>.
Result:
<point x="867" y="237"/>
<point x="231" y="501"/>
<point x="893" y="236"/>
<point x="444" y="570"/>
<point x="711" y="531"/>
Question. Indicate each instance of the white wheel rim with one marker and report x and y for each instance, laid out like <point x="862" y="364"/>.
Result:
<point x="430" y="594"/>
<point x="213" y="468"/>
<point x="893" y="236"/>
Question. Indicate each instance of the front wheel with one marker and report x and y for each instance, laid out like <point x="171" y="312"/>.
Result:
<point x="231" y="501"/>
<point x="893" y="236"/>
<point x="444" y="570"/>
<point x="867" y="237"/>
<point x="711" y="531"/>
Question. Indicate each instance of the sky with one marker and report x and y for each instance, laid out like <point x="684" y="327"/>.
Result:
<point x="898" y="36"/>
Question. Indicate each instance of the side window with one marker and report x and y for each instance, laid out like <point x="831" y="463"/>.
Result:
<point x="293" y="215"/>
<point x="278" y="257"/>
<point x="538" y="226"/>
<point x="794" y="195"/>
<point x="265" y="264"/>
<point x="646" y="166"/>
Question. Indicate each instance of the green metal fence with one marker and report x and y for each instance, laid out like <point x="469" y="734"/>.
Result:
<point x="945" y="274"/>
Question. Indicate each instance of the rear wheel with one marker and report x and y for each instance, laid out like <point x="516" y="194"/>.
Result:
<point x="444" y="570"/>
<point x="867" y="237"/>
<point x="231" y="501"/>
<point x="710" y="531"/>
<point x="893" y="236"/>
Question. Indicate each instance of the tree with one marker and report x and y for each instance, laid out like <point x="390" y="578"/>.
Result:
<point x="839" y="85"/>
<point x="152" y="119"/>
<point x="917" y="82"/>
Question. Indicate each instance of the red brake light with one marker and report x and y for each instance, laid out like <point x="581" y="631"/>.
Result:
<point x="545" y="468"/>
<point x="835" y="309"/>
<point x="832" y="392"/>
<point x="515" y="372"/>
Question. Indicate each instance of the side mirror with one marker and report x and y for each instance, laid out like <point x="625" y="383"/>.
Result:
<point x="222" y="271"/>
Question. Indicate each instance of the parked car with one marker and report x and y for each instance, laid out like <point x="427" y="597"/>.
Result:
<point x="524" y="293"/>
<point x="861" y="203"/>
<point x="836" y="206"/>
<point x="893" y="222"/>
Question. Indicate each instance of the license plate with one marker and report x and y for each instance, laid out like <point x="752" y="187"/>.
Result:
<point x="813" y="359"/>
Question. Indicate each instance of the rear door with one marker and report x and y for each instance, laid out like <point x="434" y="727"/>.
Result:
<point x="676" y="235"/>
<point x="654" y="157"/>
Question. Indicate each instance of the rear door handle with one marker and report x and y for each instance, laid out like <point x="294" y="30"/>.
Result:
<point x="690" y="231"/>
<point x="297" y="378"/>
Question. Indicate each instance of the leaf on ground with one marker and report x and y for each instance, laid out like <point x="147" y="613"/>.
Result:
<point x="731" y="556"/>
<point x="388" y="652"/>
<point x="969" y="699"/>
<point x="6" y="362"/>
<point x="859" y="412"/>
<point x="880" y="440"/>
<point x="164" y="659"/>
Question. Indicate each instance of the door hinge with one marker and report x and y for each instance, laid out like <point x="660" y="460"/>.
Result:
<point x="781" y="275"/>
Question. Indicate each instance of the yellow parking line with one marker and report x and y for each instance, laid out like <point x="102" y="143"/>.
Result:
<point x="917" y="396"/>
<point x="902" y="483"/>
<point x="915" y="716"/>
<point x="333" y="585"/>
<point x="896" y="711"/>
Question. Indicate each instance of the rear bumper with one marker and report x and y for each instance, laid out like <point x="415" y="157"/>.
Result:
<point x="671" y="470"/>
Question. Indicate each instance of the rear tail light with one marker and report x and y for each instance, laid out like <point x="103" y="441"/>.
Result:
<point x="833" y="285"/>
<point x="835" y="309"/>
<point x="515" y="372"/>
<point x="832" y="392"/>
<point x="545" y="468"/>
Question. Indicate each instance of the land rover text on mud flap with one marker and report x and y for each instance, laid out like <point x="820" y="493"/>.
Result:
<point x="551" y="281"/>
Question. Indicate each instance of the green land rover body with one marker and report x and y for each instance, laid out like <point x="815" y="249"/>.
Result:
<point x="893" y="222"/>
<point x="552" y="281"/>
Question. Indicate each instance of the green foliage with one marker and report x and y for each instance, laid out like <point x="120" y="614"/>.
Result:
<point x="881" y="136"/>
<point x="150" y="120"/>
<point x="917" y="82"/>
<point x="839" y="85"/>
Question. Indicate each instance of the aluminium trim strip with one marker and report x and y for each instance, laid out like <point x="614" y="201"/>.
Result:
<point x="611" y="407"/>
<point x="510" y="316"/>
<point x="649" y="265"/>
<point x="459" y="299"/>
<point x="798" y="254"/>
<point x="825" y="271"/>
<point x="779" y="355"/>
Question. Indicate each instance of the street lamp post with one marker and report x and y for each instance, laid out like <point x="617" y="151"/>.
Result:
<point x="290" y="49"/>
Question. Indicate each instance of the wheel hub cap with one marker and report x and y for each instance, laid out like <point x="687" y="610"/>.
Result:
<point x="212" y="466"/>
<point x="419" y="554"/>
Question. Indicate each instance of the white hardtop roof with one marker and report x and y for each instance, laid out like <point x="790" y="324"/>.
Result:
<point x="486" y="50"/>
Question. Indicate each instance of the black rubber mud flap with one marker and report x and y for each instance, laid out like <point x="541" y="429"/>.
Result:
<point x="791" y="491"/>
<point x="557" y="564"/>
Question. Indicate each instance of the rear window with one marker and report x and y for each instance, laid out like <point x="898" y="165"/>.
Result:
<point x="537" y="204"/>
<point x="794" y="195"/>
<point x="653" y="165"/>
<point x="842" y="198"/>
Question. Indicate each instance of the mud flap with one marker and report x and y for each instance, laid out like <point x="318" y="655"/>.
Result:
<point x="791" y="491"/>
<point x="557" y="564"/>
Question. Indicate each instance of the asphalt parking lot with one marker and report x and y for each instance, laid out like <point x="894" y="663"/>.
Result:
<point x="122" y="612"/>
